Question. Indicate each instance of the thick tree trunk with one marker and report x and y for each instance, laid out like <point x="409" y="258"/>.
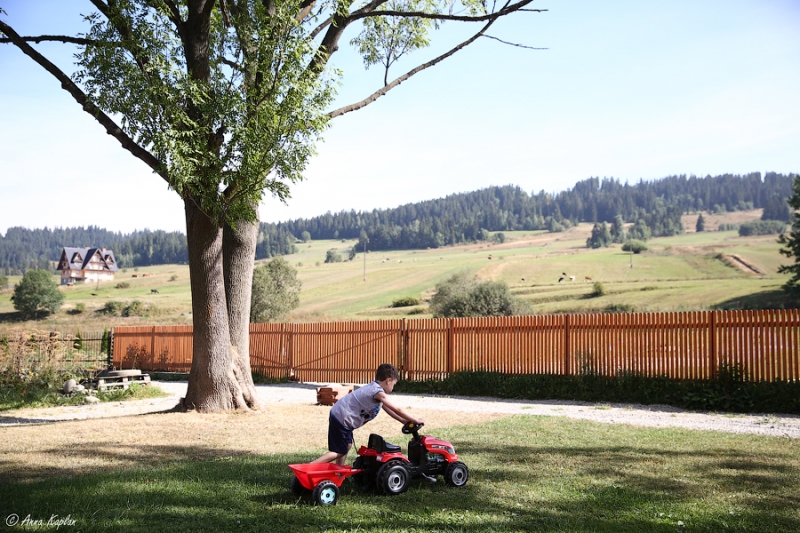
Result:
<point x="238" y="252"/>
<point x="213" y="383"/>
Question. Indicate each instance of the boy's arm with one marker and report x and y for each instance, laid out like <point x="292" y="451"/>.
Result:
<point x="394" y="411"/>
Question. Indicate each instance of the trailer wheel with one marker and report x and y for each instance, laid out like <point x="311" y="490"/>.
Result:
<point x="393" y="478"/>
<point x="297" y="488"/>
<point x="326" y="493"/>
<point x="456" y="474"/>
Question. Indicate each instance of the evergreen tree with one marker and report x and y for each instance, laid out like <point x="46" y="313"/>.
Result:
<point x="701" y="223"/>
<point x="601" y="236"/>
<point x="791" y="245"/>
<point x="618" y="230"/>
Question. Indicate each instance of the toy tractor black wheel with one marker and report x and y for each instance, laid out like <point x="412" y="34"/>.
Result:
<point x="366" y="479"/>
<point x="456" y="474"/>
<point x="297" y="488"/>
<point x="326" y="493"/>
<point x="393" y="478"/>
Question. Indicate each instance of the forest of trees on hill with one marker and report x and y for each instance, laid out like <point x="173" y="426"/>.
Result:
<point x="467" y="217"/>
<point x="463" y="217"/>
<point x="24" y="249"/>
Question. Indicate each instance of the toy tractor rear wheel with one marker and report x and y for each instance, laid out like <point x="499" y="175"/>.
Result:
<point x="326" y="493"/>
<point x="393" y="478"/>
<point x="456" y="474"/>
<point x="366" y="479"/>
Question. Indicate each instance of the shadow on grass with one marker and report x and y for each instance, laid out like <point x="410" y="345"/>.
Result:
<point x="774" y="299"/>
<point x="512" y="488"/>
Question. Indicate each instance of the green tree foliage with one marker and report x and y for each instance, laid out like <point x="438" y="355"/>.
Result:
<point x="601" y="236"/>
<point x="276" y="291"/>
<point x="776" y="207"/>
<point x="460" y="217"/>
<point x="635" y="246"/>
<point x="639" y="231"/>
<point x="3" y="281"/>
<point x="701" y="223"/>
<point x="761" y="227"/>
<point x="305" y="236"/>
<point x="598" y="289"/>
<point x="618" y="230"/>
<point x="791" y="245"/>
<point x="37" y="293"/>
<point x="462" y="295"/>
<point x="351" y="253"/>
<point x="333" y="256"/>
<point x="499" y="238"/>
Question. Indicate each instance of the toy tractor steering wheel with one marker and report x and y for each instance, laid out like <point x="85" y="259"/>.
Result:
<point x="411" y="428"/>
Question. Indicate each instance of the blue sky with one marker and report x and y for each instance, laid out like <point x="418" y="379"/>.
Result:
<point x="626" y="89"/>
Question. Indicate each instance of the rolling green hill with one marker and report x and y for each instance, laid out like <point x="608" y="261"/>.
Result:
<point x="692" y="271"/>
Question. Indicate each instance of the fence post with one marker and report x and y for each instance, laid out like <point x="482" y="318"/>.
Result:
<point x="450" y="347"/>
<point x="566" y="346"/>
<point x="712" y="345"/>
<point x="110" y="349"/>
<point x="403" y="347"/>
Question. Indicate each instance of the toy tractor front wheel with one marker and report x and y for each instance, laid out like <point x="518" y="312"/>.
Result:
<point x="326" y="493"/>
<point x="393" y="478"/>
<point x="456" y="474"/>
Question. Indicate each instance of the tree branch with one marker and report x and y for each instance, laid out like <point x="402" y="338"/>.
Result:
<point x="386" y="88"/>
<point x="68" y="85"/>
<point x="58" y="38"/>
<point x="514" y="44"/>
<point x="356" y="15"/>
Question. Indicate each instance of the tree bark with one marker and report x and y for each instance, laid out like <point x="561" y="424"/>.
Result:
<point x="238" y="256"/>
<point x="213" y="382"/>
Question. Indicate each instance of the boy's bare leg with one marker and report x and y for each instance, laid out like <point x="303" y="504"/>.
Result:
<point x="339" y="458"/>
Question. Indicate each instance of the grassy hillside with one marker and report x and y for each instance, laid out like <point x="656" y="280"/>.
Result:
<point x="693" y="271"/>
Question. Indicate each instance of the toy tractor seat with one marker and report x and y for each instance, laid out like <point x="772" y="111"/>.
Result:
<point x="377" y="443"/>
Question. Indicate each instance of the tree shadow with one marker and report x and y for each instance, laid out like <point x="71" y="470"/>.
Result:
<point x="193" y="488"/>
<point x="772" y="299"/>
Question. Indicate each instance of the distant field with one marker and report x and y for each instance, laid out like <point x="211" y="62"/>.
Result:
<point x="693" y="271"/>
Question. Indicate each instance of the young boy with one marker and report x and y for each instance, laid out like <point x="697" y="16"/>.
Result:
<point x="359" y="407"/>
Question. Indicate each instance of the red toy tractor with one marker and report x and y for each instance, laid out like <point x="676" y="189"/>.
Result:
<point x="383" y="465"/>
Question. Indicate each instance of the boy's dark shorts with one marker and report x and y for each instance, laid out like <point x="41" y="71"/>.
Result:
<point x="339" y="437"/>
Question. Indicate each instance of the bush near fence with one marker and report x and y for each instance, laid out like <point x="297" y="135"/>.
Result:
<point x="730" y="391"/>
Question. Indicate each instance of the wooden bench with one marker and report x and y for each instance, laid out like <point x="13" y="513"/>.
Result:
<point x="114" y="382"/>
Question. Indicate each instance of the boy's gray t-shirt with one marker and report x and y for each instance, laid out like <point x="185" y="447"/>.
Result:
<point x="359" y="407"/>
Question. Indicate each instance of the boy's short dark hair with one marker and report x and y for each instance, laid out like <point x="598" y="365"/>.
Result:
<point x="386" y="371"/>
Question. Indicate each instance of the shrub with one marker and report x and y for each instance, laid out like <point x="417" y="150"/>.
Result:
<point x="416" y="311"/>
<point x="636" y="246"/>
<point x="619" y="308"/>
<point x="761" y="227"/>
<point x="3" y="281"/>
<point x="462" y="295"/>
<point x="173" y="277"/>
<point x="499" y="238"/>
<point x="333" y="256"/>
<point x="406" y="301"/>
<point x="728" y="227"/>
<point x="113" y="308"/>
<point x="123" y="285"/>
<point x="37" y="293"/>
<point x="598" y="289"/>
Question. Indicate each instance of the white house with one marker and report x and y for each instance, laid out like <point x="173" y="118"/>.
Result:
<point x="87" y="265"/>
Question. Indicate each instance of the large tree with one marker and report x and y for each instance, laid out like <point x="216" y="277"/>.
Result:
<point x="224" y="100"/>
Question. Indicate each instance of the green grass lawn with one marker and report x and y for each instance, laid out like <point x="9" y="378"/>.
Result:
<point x="527" y="474"/>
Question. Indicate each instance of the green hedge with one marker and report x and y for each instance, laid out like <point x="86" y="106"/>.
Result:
<point x="730" y="391"/>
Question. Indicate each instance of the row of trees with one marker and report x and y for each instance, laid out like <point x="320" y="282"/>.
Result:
<point x="23" y="249"/>
<point x="468" y="217"/>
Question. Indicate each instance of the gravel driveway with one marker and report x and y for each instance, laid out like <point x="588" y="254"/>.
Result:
<point x="640" y="415"/>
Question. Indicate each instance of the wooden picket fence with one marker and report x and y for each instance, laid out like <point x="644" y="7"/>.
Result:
<point x="690" y="345"/>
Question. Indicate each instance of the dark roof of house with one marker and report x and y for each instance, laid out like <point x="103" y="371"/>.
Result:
<point x="78" y="258"/>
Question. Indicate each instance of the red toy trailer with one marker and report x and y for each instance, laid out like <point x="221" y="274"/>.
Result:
<point x="322" y="479"/>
